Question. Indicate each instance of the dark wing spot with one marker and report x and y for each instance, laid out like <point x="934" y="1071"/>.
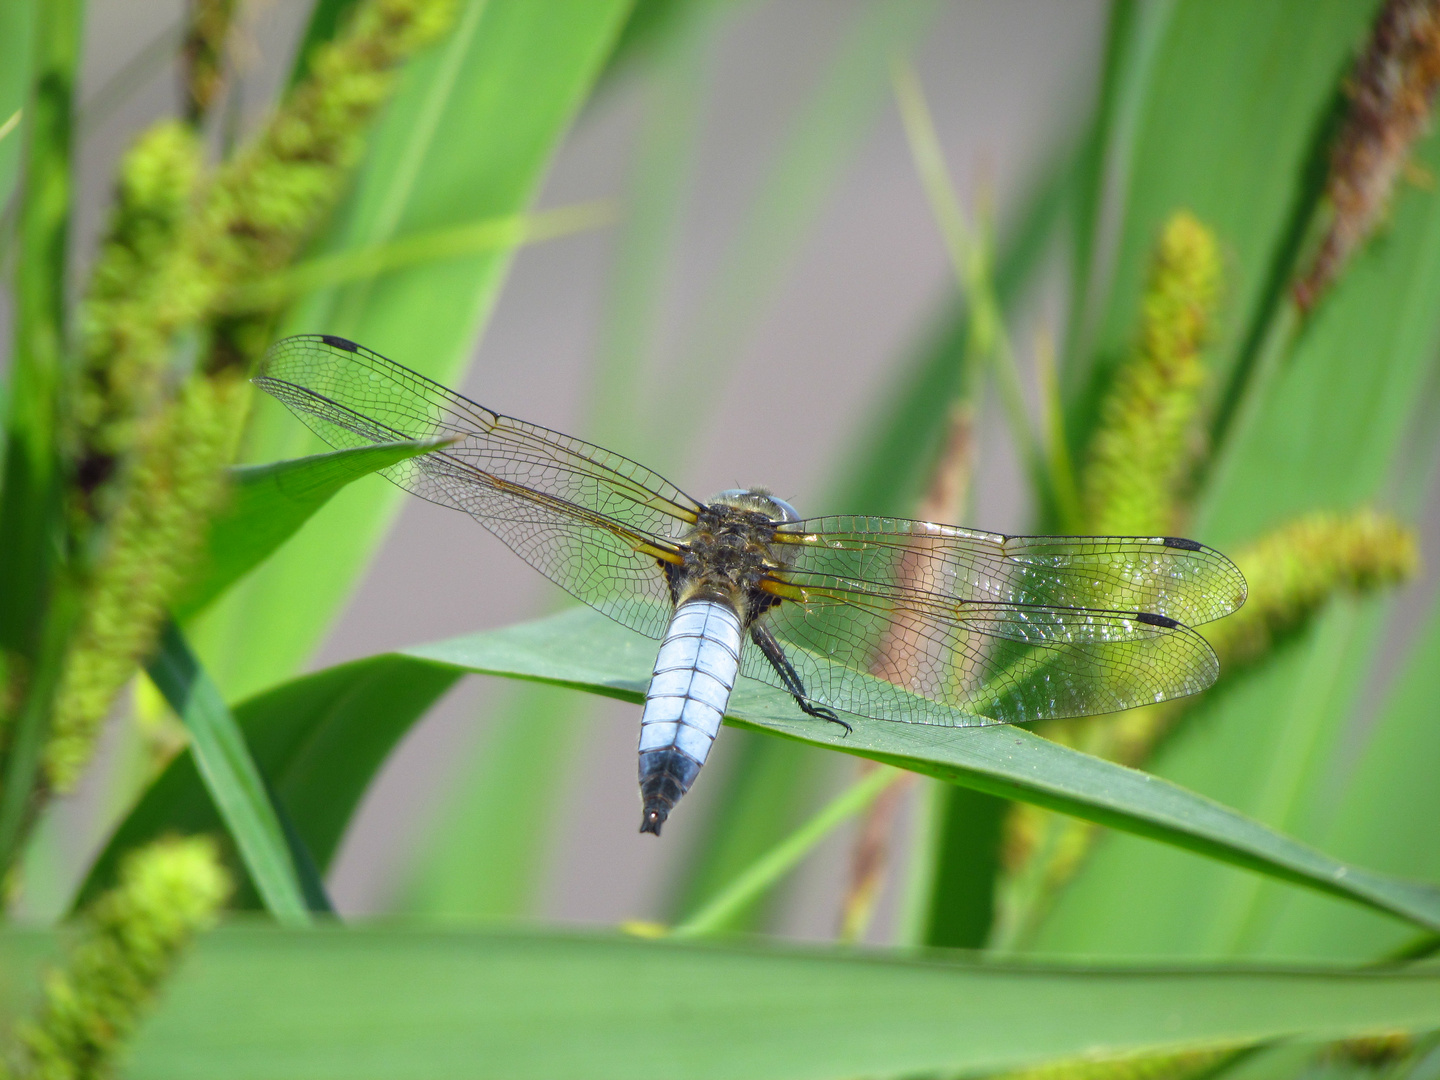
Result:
<point x="350" y="346"/>
<point x="1183" y="544"/>
<point x="1163" y="621"/>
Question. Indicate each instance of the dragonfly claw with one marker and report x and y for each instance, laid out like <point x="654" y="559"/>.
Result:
<point x="822" y="713"/>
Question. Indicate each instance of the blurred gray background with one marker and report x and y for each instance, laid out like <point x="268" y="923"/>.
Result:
<point x="1008" y="81"/>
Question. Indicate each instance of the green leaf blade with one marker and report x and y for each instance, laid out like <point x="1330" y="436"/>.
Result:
<point x="269" y="503"/>
<point x="232" y="779"/>
<point x="400" y="1004"/>
<point x="320" y="739"/>
<point x="1386" y="800"/>
<point x="583" y="649"/>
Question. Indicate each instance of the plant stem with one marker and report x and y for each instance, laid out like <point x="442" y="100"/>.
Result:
<point x="786" y="855"/>
<point x="33" y="626"/>
<point x="509" y="231"/>
<point x="1137" y="32"/>
<point x="971" y="257"/>
<point x="1057" y="449"/>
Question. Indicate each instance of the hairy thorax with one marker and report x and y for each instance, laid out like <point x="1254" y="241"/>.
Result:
<point x="730" y="550"/>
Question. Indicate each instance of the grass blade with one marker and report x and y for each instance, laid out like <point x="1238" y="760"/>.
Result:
<point x="319" y="739"/>
<point x="1136" y="32"/>
<point x="402" y="1004"/>
<point x="970" y="258"/>
<point x="233" y="780"/>
<point x="269" y="503"/>
<point x="496" y="234"/>
<point x="825" y="132"/>
<point x="750" y="885"/>
<point x="585" y="650"/>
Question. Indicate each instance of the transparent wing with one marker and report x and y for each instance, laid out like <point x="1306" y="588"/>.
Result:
<point x="881" y="617"/>
<point x="595" y="523"/>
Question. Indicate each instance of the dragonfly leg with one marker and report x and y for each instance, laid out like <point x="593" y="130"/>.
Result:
<point x="790" y="677"/>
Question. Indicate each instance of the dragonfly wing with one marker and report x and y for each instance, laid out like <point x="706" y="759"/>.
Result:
<point x="595" y="523"/>
<point x="1180" y="579"/>
<point x="889" y="618"/>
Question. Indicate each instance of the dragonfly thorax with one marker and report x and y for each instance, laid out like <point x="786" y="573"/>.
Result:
<point x="759" y="501"/>
<point x="729" y="551"/>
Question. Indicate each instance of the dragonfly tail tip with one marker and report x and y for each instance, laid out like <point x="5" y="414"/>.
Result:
<point x="652" y="819"/>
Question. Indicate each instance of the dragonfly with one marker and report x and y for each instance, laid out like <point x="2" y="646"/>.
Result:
<point x="879" y="618"/>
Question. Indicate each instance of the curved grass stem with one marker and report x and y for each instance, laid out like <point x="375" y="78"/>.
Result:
<point x="971" y="256"/>
<point x="766" y="871"/>
<point x="507" y="231"/>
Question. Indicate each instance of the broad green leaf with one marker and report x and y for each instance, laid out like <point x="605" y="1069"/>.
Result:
<point x="583" y="649"/>
<point x="358" y="711"/>
<point x="235" y="786"/>
<point x="268" y="503"/>
<point x="319" y="740"/>
<point x="407" y="1003"/>
<point x="467" y="138"/>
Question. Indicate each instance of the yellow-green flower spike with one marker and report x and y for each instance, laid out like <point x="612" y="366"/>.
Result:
<point x="131" y="939"/>
<point x="173" y="485"/>
<point x="1140" y="453"/>
<point x="149" y="460"/>
<point x="124" y="341"/>
<point x="1299" y="566"/>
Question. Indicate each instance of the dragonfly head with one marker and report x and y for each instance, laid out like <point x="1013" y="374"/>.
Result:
<point x="759" y="501"/>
